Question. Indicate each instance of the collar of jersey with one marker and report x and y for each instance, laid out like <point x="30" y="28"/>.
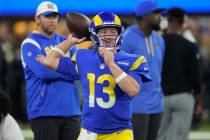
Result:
<point x="36" y="33"/>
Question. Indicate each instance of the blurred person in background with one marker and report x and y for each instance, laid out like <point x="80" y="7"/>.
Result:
<point x="142" y="39"/>
<point x="205" y="55"/>
<point x="9" y="129"/>
<point x="11" y="70"/>
<point x="3" y="63"/>
<point x="181" y="79"/>
<point x="190" y="31"/>
<point x="52" y="98"/>
<point x="187" y="33"/>
<point x="3" y="71"/>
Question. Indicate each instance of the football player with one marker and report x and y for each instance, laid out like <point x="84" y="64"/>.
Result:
<point x="110" y="78"/>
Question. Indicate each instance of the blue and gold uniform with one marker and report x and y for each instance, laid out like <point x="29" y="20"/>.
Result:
<point x="48" y="93"/>
<point x="107" y="109"/>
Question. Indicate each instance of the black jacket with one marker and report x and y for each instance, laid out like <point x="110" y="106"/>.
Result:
<point x="181" y="68"/>
<point x="3" y="71"/>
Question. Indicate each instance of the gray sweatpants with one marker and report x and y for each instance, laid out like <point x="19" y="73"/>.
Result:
<point x="177" y="117"/>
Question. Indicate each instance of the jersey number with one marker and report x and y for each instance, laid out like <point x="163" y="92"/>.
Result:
<point x="107" y="90"/>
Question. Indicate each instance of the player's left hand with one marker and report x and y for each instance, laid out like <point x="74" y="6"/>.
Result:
<point x="198" y="110"/>
<point x="107" y="55"/>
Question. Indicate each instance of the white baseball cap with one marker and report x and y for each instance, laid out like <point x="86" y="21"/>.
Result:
<point x="46" y="8"/>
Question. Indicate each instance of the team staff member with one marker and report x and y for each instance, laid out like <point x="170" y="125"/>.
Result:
<point x="142" y="39"/>
<point x="52" y="99"/>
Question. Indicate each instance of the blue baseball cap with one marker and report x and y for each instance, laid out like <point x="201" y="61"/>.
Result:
<point x="146" y="7"/>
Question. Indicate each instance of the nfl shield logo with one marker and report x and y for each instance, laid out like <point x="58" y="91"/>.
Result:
<point x="102" y="66"/>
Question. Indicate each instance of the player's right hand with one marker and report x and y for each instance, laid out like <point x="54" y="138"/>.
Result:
<point x="74" y="40"/>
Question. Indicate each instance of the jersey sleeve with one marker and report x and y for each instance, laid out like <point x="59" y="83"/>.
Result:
<point x="137" y="77"/>
<point x="140" y="67"/>
<point x="67" y="66"/>
<point x="73" y="51"/>
<point x="29" y="53"/>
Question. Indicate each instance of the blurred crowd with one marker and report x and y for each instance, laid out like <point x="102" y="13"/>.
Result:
<point x="13" y="31"/>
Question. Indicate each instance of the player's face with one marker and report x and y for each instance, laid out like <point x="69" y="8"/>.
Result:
<point x="108" y="37"/>
<point x="48" y="23"/>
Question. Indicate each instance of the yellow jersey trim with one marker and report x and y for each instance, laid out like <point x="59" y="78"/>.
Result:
<point x="73" y="59"/>
<point x="137" y="63"/>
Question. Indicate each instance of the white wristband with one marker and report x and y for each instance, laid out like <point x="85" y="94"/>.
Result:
<point x="121" y="77"/>
<point x="58" y="50"/>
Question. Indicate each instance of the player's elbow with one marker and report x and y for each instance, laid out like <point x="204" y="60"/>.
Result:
<point x="134" y="90"/>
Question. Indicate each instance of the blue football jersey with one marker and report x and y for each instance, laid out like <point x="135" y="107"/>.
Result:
<point x="106" y="108"/>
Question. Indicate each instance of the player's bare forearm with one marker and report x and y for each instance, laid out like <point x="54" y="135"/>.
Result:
<point x="129" y="85"/>
<point x="52" y="60"/>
